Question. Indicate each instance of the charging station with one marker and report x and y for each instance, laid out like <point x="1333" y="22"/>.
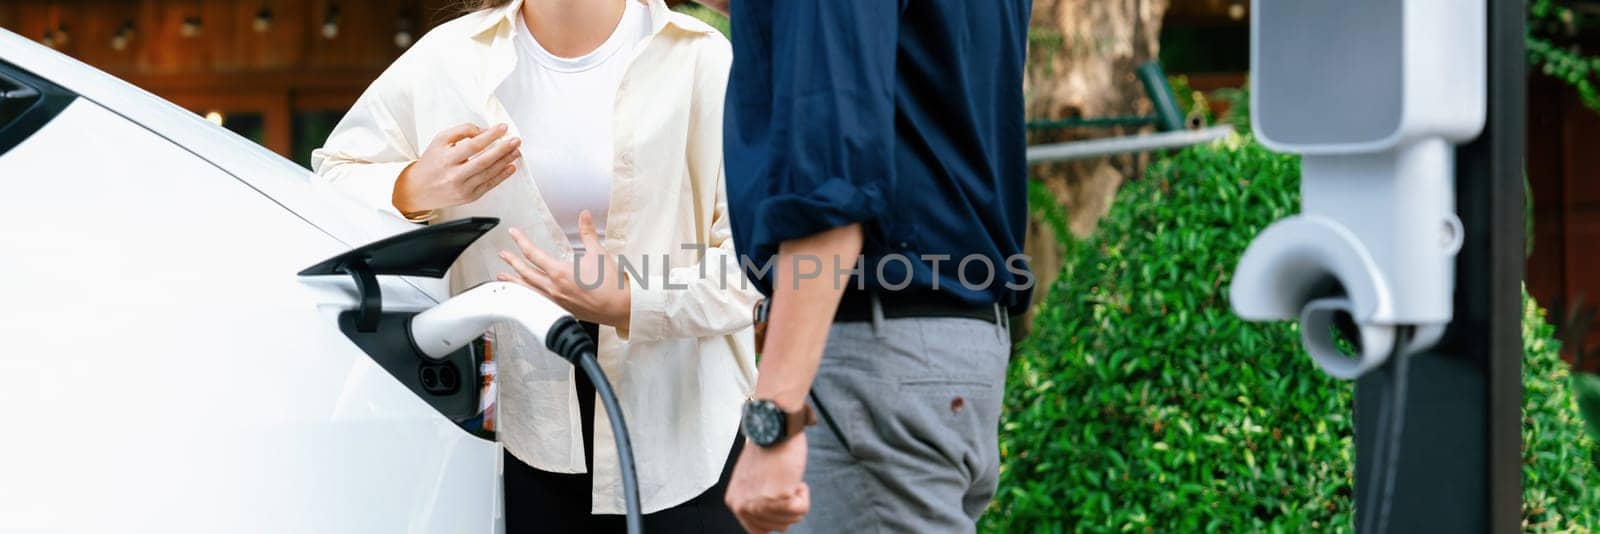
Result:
<point x="1408" y="115"/>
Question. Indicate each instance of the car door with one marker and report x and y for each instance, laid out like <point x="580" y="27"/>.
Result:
<point x="164" y="369"/>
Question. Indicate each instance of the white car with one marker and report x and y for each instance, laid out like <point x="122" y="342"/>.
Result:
<point x="163" y="365"/>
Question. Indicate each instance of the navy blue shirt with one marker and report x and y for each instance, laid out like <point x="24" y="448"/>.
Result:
<point x="906" y="116"/>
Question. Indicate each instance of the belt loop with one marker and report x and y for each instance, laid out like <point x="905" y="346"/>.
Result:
<point x="877" y="315"/>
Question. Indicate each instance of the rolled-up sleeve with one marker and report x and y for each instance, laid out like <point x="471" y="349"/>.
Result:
<point x="826" y="159"/>
<point x="366" y="152"/>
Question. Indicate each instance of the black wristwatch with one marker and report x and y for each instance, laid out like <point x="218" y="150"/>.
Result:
<point x="765" y="424"/>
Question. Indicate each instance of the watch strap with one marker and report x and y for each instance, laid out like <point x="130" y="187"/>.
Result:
<point x="758" y="317"/>
<point x="796" y="422"/>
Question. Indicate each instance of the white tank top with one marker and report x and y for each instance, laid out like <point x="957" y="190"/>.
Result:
<point x="563" y="108"/>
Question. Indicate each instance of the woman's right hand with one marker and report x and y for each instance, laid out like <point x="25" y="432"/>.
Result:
<point x="460" y="165"/>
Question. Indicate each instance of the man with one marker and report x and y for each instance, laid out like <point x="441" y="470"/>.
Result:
<point x="884" y="137"/>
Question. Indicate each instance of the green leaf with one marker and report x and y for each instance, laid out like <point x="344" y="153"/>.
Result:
<point x="1586" y="389"/>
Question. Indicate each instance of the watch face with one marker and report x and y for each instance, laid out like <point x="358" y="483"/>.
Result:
<point x="763" y="422"/>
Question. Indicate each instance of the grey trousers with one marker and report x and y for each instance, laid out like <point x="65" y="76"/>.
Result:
<point x="918" y="404"/>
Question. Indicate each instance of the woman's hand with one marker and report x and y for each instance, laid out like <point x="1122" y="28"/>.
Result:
<point x="459" y="166"/>
<point x="590" y="292"/>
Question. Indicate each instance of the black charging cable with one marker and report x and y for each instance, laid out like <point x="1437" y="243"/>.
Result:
<point x="1391" y="424"/>
<point x="568" y="339"/>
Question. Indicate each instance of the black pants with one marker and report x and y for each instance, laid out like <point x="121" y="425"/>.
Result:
<point x="541" y="501"/>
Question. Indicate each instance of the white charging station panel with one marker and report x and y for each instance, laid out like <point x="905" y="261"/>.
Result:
<point x="1362" y="76"/>
<point x="1330" y="72"/>
<point x="1374" y="95"/>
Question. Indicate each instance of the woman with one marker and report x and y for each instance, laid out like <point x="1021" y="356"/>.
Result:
<point x="593" y="130"/>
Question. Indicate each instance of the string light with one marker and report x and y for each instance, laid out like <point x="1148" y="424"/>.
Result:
<point x="214" y="117"/>
<point x="124" y="35"/>
<point x="402" y="34"/>
<point x="330" y="23"/>
<point x="263" y="21"/>
<point x="190" y="27"/>
<point x="1237" y="10"/>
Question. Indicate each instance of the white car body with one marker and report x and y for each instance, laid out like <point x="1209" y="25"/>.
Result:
<point x="162" y="367"/>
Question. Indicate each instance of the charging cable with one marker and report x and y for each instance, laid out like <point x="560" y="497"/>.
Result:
<point x="1385" y="467"/>
<point x="452" y="324"/>
<point x="568" y="340"/>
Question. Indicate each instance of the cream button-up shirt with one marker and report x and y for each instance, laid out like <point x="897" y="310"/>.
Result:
<point x="686" y="363"/>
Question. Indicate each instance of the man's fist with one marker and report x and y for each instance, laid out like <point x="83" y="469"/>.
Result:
<point x="768" y="492"/>
<point x="459" y="166"/>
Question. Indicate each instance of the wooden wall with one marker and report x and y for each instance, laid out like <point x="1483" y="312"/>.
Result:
<point x="228" y="65"/>
<point x="1563" y="162"/>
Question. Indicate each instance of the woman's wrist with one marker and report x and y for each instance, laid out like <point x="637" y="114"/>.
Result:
<point x="623" y="312"/>
<point x="401" y="198"/>
<point x="405" y="202"/>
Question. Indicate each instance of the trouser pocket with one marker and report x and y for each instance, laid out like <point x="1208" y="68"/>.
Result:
<point x="918" y="401"/>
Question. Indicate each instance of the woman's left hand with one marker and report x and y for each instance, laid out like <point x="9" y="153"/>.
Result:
<point x="581" y="287"/>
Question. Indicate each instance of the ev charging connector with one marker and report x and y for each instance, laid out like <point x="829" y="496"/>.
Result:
<point x="438" y="332"/>
<point x="452" y="324"/>
<point x="1374" y="94"/>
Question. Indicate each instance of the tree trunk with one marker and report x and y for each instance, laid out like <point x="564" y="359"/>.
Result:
<point x="1083" y="62"/>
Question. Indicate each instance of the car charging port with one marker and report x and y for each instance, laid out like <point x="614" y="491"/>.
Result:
<point x="439" y="378"/>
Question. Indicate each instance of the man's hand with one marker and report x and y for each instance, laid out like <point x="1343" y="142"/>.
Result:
<point x="588" y="293"/>
<point x="767" y="491"/>
<point x="459" y="166"/>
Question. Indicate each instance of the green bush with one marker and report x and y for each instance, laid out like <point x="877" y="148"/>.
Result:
<point x="715" y="19"/>
<point x="1560" y="485"/>
<point x="1142" y="404"/>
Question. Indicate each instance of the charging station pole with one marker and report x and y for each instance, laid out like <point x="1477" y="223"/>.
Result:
<point x="1461" y="462"/>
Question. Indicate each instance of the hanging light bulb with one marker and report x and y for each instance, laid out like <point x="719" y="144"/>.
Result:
<point x="402" y="33"/>
<point x="214" y="117"/>
<point x="330" y="23"/>
<point x="190" y="27"/>
<point x="1237" y="10"/>
<point x="263" y="21"/>
<point x="124" y="35"/>
<point x="61" y="36"/>
<point x="49" y="38"/>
